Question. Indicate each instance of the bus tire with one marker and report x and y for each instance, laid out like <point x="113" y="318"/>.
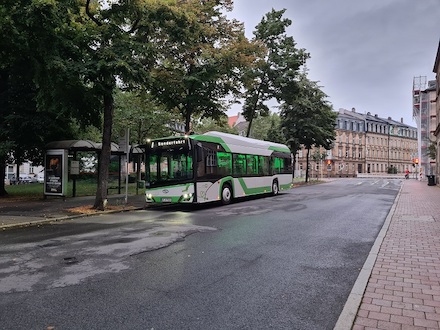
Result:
<point x="275" y="188"/>
<point x="226" y="196"/>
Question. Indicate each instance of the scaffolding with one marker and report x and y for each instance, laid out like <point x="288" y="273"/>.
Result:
<point x="423" y="117"/>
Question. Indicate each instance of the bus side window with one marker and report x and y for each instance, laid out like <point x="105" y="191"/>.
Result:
<point x="277" y="165"/>
<point x="263" y="165"/>
<point x="252" y="164"/>
<point x="239" y="164"/>
<point x="210" y="163"/>
<point x="224" y="163"/>
<point x="152" y="169"/>
<point x="287" y="166"/>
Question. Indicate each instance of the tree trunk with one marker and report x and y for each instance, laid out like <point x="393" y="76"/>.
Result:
<point x="307" y="164"/>
<point x="3" y="191"/>
<point x="104" y="156"/>
<point x="188" y="127"/>
<point x="293" y="167"/>
<point x="249" y="127"/>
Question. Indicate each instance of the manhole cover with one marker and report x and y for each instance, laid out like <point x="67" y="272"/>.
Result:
<point x="70" y="260"/>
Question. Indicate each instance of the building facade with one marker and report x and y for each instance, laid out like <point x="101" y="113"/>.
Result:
<point x="364" y="143"/>
<point x="437" y="112"/>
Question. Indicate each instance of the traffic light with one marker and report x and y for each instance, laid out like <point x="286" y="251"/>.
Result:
<point x="329" y="162"/>
<point x="415" y="160"/>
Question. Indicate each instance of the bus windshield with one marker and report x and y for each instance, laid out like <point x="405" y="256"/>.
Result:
<point x="169" y="166"/>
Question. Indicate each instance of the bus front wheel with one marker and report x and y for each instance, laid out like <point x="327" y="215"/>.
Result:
<point x="275" y="188"/>
<point x="226" y="194"/>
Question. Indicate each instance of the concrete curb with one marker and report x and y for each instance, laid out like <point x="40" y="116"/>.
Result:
<point x="349" y="312"/>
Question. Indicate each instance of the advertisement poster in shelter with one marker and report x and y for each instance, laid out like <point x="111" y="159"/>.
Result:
<point x="55" y="172"/>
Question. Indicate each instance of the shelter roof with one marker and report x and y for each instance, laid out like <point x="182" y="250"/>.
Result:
<point x="80" y="145"/>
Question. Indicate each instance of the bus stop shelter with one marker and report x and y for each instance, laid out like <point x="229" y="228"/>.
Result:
<point x="61" y="160"/>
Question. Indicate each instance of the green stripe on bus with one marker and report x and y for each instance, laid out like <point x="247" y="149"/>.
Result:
<point x="280" y="149"/>
<point x="253" y="191"/>
<point x="214" y="139"/>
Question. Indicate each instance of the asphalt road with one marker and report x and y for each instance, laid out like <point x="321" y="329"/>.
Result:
<point x="284" y="262"/>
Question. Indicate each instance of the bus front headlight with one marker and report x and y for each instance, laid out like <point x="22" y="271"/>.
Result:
<point x="187" y="197"/>
<point x="149" y="196"/>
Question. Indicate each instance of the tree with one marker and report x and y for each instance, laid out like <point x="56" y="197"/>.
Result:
<point x="142" y="115"/>
<point x="39" y="94"/>
<point x="196" y="71"/>
<point x="274" y="132"/>
<point x="308" y="119"/>
<point x="318" y="157"/>
<point x="267" y="128"/>
<point x="121" y="54"/>
<point x="275" y="69"/>
<point x="209" y="124"/>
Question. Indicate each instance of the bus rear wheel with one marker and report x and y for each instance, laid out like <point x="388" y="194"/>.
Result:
<point x="275" y="188"/>
<point x="226" y="196"/>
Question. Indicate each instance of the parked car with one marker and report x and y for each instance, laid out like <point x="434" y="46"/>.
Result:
<point x="11" y="180"/>
<point x="27" y="178"/>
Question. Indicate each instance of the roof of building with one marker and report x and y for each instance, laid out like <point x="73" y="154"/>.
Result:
<point x="232" y="120"/>
<point x="372" y="118"/>
<point x="437" y="60"/>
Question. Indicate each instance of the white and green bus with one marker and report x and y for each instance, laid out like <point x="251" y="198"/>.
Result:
<point x="214" y="166"/>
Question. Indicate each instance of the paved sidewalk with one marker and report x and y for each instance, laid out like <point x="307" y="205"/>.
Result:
<point x="402" y="287"/>
<point x="20" y="214"/>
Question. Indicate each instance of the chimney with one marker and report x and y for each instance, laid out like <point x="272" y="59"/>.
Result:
<point x="401" y="120"/>
<point x="353" y="109"/>
<point x="389" y="118"/>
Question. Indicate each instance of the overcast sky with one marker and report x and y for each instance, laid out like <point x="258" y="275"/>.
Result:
<point x="364" y="53"/>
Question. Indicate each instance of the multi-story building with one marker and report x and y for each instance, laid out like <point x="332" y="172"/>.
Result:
<point x="364" y="143"/>
<point x="437" y="112"/>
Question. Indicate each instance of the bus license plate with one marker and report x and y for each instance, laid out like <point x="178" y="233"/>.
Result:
<point x="166" y="200"/>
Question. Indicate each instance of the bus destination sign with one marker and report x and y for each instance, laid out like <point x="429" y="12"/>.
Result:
<point x="168" y="143"/>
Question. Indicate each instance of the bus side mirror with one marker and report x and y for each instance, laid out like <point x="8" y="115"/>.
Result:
<point x="199" y="153"/>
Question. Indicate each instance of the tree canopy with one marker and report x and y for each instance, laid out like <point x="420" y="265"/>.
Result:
<point x="308" y="119"/>
<point x="40" y="93"/>
<point x="275" y="70"/>
<point x="196" y="71"/>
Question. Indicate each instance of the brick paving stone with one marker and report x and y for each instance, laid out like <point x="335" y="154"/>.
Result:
<point x="403" y="291"/>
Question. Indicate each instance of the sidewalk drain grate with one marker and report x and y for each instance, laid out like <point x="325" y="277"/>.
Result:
<point x="428" y="218"/>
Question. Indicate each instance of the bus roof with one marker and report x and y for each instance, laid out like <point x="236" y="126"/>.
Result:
<point x="240" y="144"/>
